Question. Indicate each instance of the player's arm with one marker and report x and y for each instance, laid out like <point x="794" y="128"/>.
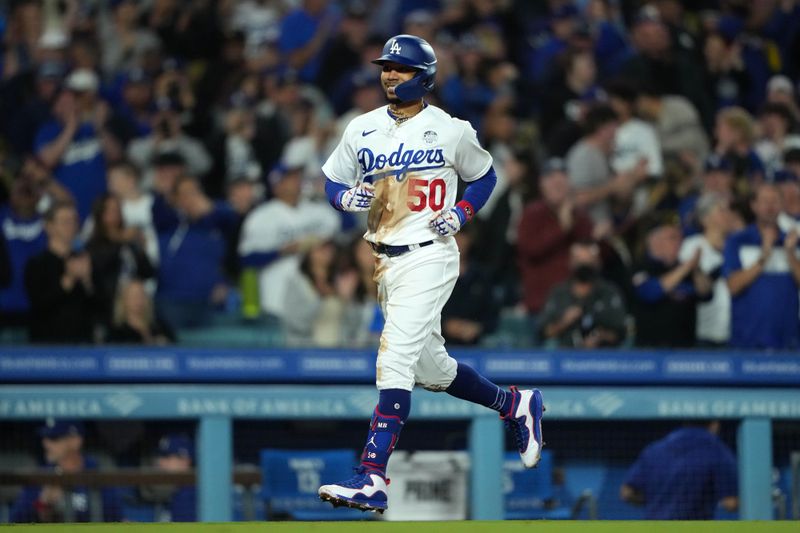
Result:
<point x="449" y="221"/>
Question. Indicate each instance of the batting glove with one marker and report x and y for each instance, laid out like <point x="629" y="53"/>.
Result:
<point x="449" y="221"/>
<point x="358" y="198"/>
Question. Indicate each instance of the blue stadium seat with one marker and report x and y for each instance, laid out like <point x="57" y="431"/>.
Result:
<point x="290" y="480"/>
<point x="530" y="493"/>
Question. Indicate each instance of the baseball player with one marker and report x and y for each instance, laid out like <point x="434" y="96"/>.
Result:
<point x="401" y="163"/>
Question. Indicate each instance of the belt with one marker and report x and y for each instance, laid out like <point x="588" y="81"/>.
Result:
<point x="394" y="251"/>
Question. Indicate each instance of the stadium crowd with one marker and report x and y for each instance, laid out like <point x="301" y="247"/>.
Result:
<point x="160" y="166"/>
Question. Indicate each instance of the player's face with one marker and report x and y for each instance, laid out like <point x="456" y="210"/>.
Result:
<point x="392" y="75"/>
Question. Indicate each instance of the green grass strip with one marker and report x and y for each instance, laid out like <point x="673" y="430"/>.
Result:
<point x="539" y="526"/>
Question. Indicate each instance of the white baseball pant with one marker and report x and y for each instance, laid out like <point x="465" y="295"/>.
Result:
<point x="412" y="289"/>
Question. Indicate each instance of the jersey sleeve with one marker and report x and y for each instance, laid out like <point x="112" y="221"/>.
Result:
<point x="342" y="165"/>
<point x="471" y="160"/>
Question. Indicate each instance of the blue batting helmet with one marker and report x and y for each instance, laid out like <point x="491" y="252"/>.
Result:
<point x="416" y="53"/>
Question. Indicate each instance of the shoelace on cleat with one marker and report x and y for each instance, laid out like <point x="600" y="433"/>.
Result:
<point x="516" y="428"/>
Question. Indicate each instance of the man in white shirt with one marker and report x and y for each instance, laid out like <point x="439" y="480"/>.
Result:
<point x="276" y="232"/>
<point x="635" y="139"/>
<point x="596" y="185"/>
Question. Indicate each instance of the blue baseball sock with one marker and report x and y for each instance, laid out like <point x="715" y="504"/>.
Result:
<point x="471" y="386"/>
<point x="384" y="428"/>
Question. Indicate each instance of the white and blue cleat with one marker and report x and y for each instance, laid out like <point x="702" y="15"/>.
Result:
<point x="525" y="422"/>
<point x="367" y="491"/>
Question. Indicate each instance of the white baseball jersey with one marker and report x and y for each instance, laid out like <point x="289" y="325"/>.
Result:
<point x="414" y="165"/>
<point x="274" y="225"/>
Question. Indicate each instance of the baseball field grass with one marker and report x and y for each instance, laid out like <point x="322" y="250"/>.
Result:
<point x="539" y="526"/>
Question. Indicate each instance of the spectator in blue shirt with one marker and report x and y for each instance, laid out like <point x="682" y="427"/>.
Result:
<point x="62" y="441"/>
<point x="467" y="93"/>
<point x="305" y="35"/>
<point x="564" y="22"/>
<point x="763" y="274"/>
<point x="23" y="231"/>
<point x="27" y="113"/>
<point x="192" y="238"/>
<point x="76" y="145"/>
<point x="684" y="475"/>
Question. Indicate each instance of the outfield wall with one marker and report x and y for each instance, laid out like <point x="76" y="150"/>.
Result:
<point x="216" y="406"/>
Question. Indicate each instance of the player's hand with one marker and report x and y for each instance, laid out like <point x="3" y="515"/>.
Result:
<point x="358" y="198"/>
<point x="448" y="222"/>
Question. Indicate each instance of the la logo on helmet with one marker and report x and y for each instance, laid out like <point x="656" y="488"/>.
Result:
<point x="395" y="48"/>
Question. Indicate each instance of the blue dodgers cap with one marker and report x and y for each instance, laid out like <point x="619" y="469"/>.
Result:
<point x="717" y="163"/>
<point x="176" y="444"/>
<point x="56" y="429"/>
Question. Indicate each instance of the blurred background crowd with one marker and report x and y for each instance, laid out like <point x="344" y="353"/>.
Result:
<point x="160" y="169"/>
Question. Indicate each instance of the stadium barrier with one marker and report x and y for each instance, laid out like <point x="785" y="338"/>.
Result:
<point x="216" y="406"/>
